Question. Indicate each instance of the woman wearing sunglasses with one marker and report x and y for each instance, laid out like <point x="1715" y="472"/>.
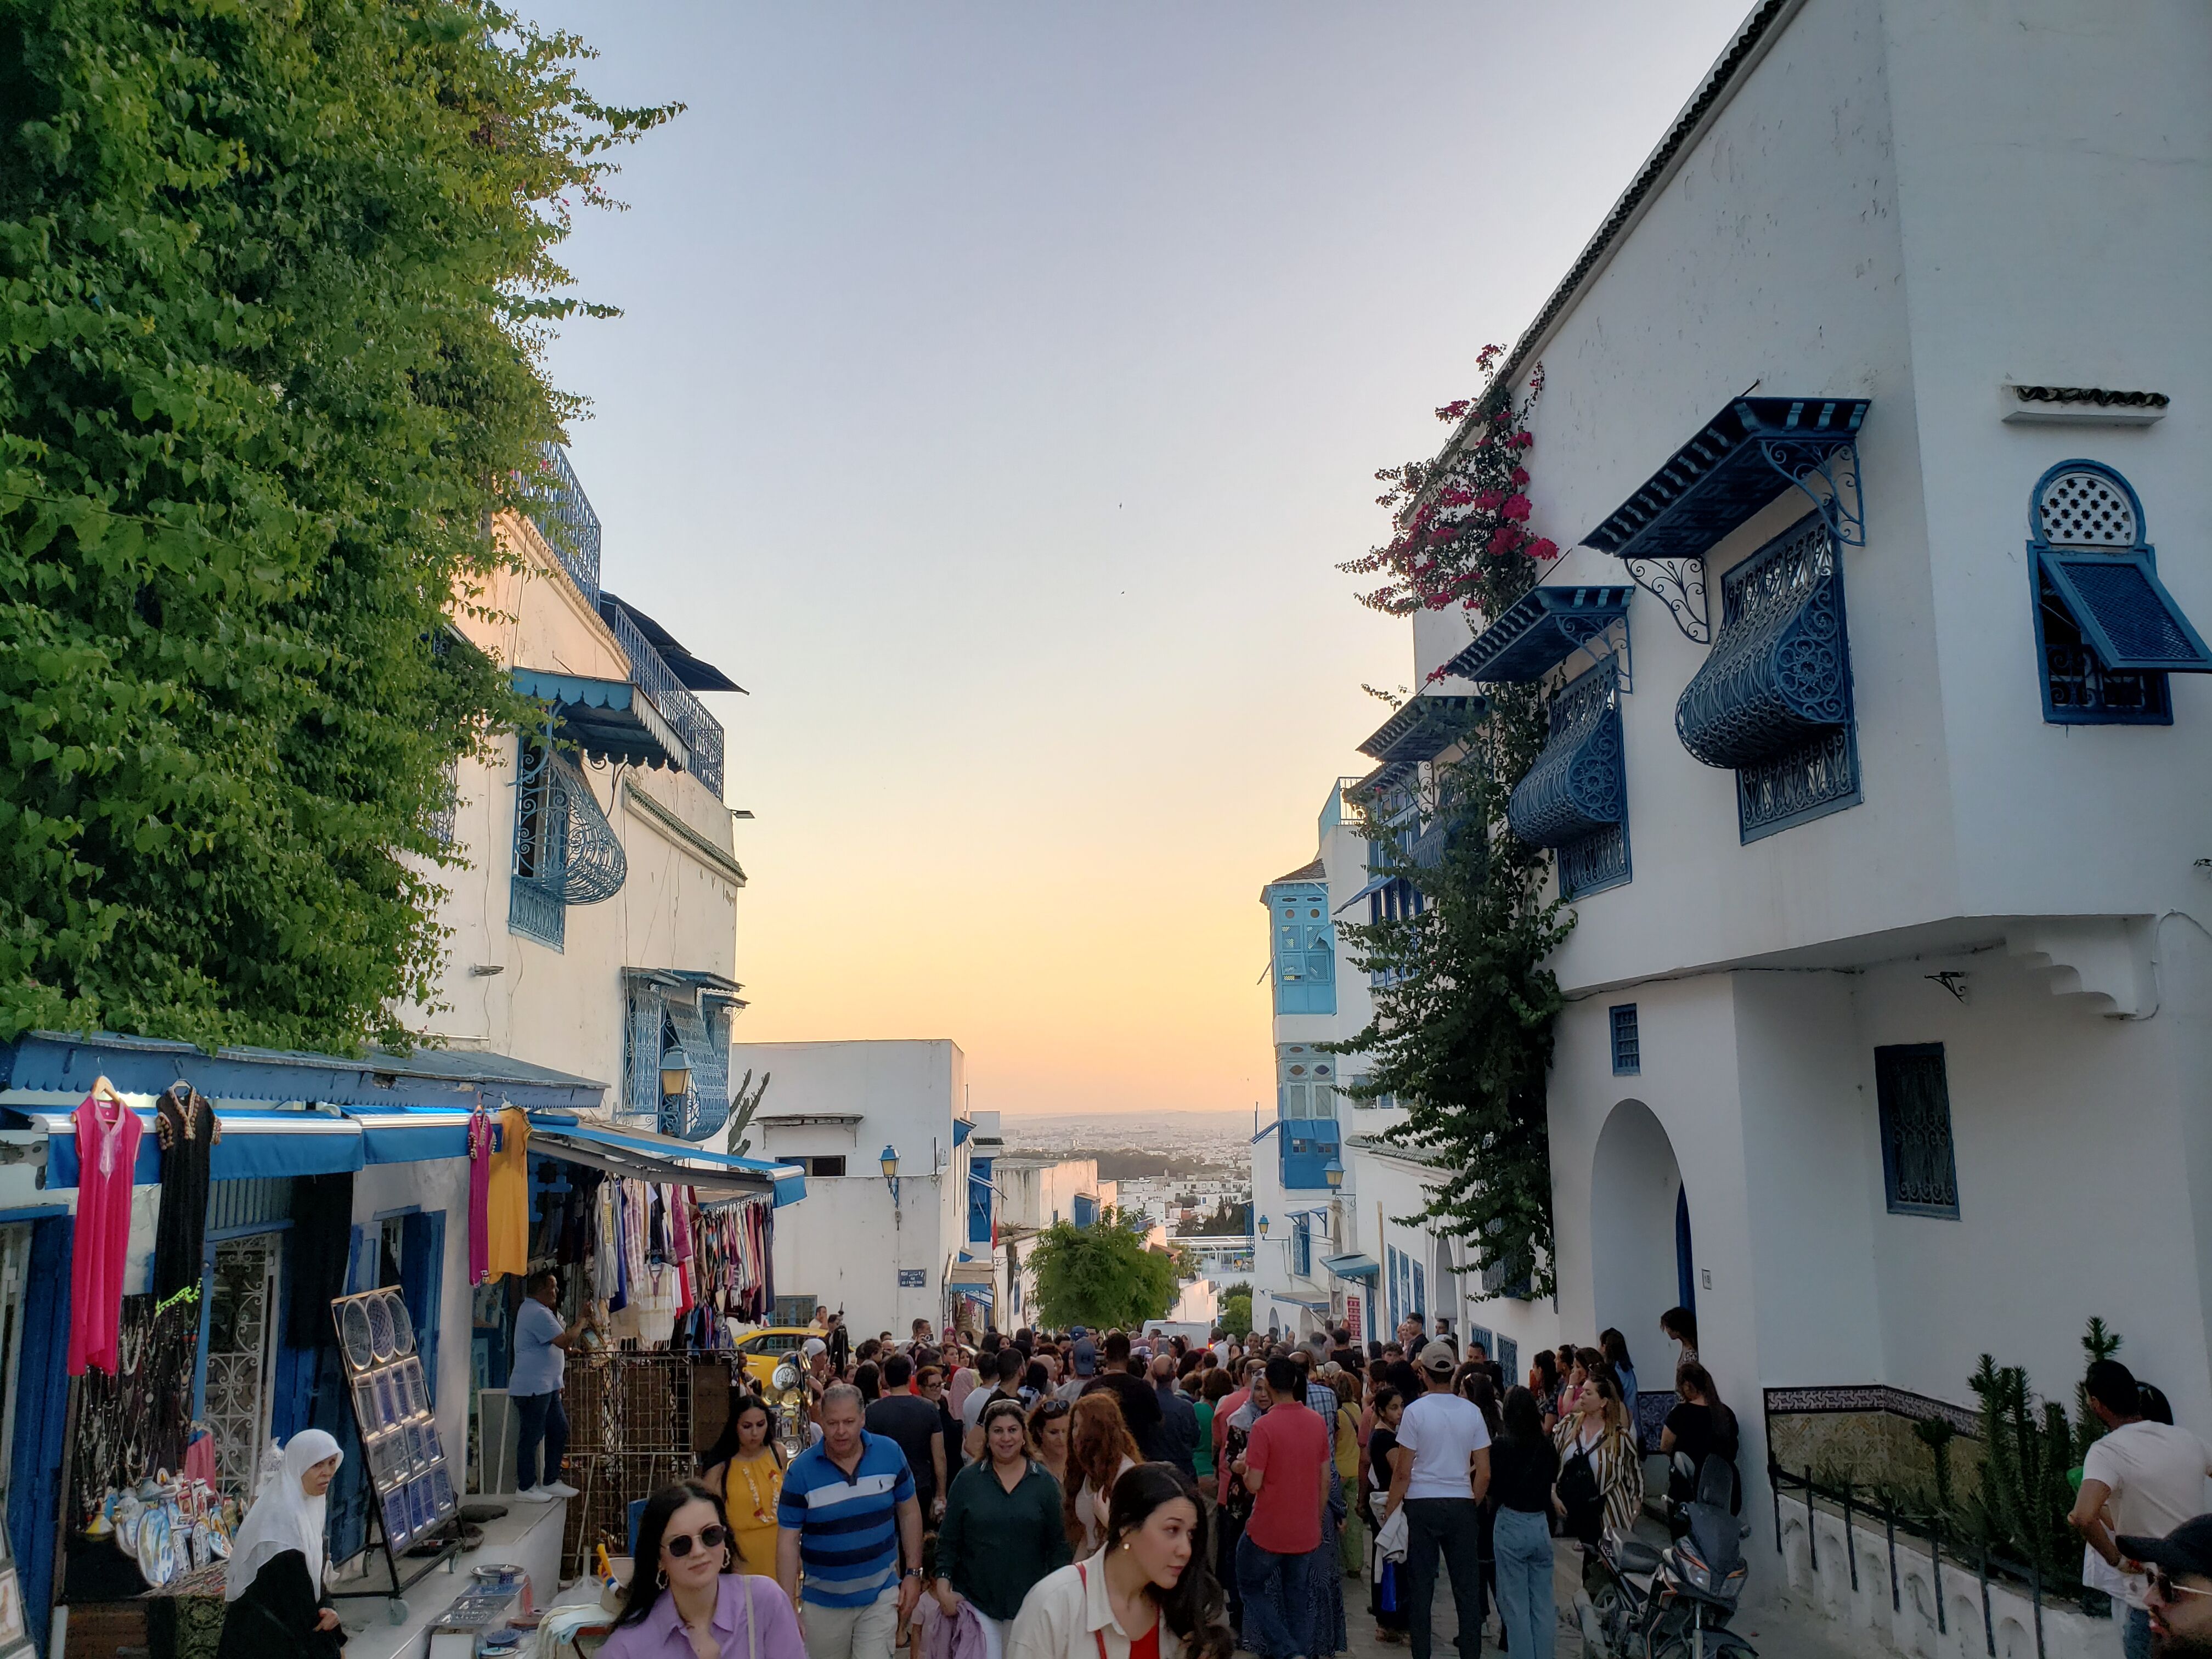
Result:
<point x="686" y="1600"/>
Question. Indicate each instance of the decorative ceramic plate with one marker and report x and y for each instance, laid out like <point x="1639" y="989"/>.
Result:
<point x="353" y="1328"/>
<point x="403" y="1327"/>
<point x="155" y="1559"/>
<point x="381" y="1334"/>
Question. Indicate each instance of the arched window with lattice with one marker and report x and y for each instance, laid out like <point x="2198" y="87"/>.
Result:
<point x="2107" y="631"/>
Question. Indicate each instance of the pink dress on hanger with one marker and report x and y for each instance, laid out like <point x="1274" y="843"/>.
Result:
<point x="107" y="1135"/>
<point x="480" y="1140"/>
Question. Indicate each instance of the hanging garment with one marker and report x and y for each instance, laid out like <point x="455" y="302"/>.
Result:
<point x="188" y="1129"/>
<point x="317" y="1251"/>
<point x="107" y="1133"/>
<point x="507" y="1197"/>
<point x="480" y="1150"/>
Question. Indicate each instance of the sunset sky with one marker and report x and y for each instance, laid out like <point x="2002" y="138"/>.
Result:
<point x="999" y="387"/>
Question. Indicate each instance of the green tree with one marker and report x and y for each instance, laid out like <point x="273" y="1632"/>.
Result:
<point x="1236" y="1310"/>
<point x="274" y="284"/>
<point x="1101" y="1275"/>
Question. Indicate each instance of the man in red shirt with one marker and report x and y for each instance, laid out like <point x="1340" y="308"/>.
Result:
<point x="1285" y="1468"/>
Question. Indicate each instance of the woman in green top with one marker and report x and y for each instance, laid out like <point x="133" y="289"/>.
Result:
<point x="1002" y="1530"/>
<point x="1218" y="1387"/>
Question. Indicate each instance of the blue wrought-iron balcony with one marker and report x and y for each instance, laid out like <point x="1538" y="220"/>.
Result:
<point x="653" y="718"/>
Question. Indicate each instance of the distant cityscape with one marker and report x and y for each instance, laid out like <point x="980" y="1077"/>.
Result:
<point x="1188" y="1172"/>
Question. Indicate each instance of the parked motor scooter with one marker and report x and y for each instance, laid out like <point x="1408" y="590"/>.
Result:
<point x="1676" y="1603"/>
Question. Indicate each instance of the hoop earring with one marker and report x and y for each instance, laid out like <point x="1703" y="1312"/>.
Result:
<point x="660" y="1579"/>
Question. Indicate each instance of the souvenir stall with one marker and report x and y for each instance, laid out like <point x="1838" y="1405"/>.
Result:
<point x="174" y="1227"/>
<point x="669" y="1243"/>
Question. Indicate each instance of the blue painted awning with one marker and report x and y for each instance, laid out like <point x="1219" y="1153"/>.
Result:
<point x="255" y="1144"/>
<point x="416" y="1134"/>
<point x="1731" y="467"/>
<point x="610" y="719"/>
<point x="68" y="1062"/>
<point x="1539" y="630"/>
<point x="1422" y="729"/>
<point x="1352" y="1266"/>
<point x="642" y="1155"/>
<point x="962" y="1129"/>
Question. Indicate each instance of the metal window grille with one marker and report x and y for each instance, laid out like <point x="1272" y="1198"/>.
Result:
<point x="1627" y="1045"/>
<point x="2106" y="627"/>
<point x="1301" y="1246"/>
<point x="1575" y="796"/>
<point x="1913" y="1096"/>
<point x="444" y="814"/>
<point x="535" y="907"/>
<point x="1774" y="700"/>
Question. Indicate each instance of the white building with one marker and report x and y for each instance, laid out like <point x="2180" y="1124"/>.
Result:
<point x="881" y="1249"/>
<point x="1033" y="1193"/>
<point x="1354" y="1254"/>
<point x="1887" y="1048"/>
<point x="592" y="937"/>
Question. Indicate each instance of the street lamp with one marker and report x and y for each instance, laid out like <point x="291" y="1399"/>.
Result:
<point x="1263" y="1226"/>
<point x="888" y="1163"/>
<point x="1332" y="1173"/>
<point x="675" y="1071"/>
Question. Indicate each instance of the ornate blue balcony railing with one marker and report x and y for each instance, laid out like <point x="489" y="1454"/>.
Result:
<point x="1774" y="702"/>
<point x="565" y="851"/>
<point x="563" y="514"/>
<point x="1779" y="676"/>
<point x="1575" y="798"/>
<point x="700" y="731"/>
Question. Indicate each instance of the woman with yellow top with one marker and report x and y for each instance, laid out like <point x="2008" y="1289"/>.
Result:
<point x="746" y="1466"/>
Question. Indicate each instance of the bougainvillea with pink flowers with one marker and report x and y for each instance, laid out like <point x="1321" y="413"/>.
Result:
<point x="1461" y="521"/>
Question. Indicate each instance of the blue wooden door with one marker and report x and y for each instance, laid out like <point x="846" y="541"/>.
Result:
<point x="422" y="1285"/>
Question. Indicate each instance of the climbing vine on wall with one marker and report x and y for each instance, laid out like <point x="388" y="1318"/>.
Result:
<point x="1464" y="1005"/>
<point x="274" y="284"/>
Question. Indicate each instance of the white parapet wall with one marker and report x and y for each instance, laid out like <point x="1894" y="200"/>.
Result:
<point x="1909" y="1624"/>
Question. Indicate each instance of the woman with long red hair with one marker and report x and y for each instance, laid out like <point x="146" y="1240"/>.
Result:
<point x="1100" y="1450"/>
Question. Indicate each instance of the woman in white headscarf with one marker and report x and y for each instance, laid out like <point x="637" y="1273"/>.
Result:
<point x="273" y="1585"/>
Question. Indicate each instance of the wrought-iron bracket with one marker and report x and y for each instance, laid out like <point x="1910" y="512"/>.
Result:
<point x="1837" y="467"/>
<point x="1680" y="585"/>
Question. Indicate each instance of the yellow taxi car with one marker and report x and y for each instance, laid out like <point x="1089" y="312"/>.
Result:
<point x="763" y="1351"/>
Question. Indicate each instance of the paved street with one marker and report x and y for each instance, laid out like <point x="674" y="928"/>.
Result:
<point x="1779" y="1632"/>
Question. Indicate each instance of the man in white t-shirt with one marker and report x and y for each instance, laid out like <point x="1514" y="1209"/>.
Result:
<point x="1439" y="1473"/>
<point x="2147" y="1477"/>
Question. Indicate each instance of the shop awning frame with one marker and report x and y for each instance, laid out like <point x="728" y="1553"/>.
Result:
<point x="1354" y="1267"/>
<point x="641" y="1155"/>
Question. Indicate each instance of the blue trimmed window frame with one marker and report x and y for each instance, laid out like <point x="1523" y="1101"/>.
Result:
<point x="1305" y="948"/>
<point x="1627" y="1040"/>
<point x="1575" y="796"/>
<point x="1774" y="702"/>
<point x="2088" y="509"/>
<point x="1912" y="1102"/>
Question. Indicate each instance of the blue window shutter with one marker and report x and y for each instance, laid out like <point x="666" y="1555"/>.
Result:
<point x="423" y="1279"/>
<point x="2125" y="613"/>
<point x="360" y="1264"/>
<point x="1421" y="1290"/>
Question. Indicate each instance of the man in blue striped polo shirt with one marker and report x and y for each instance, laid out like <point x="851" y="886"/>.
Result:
<point x="847" y="1517"/>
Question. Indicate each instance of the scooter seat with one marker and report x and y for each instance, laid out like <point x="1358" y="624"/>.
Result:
<point x="1638" y="1557"/>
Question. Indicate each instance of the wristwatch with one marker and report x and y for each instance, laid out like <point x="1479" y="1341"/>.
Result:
<point x="914" y="1572"/>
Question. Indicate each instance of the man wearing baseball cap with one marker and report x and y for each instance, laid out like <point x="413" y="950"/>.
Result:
<point x="1438" y="1475"/>
<point x="2179" y="1588"/>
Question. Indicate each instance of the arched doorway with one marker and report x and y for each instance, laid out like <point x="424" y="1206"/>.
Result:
<point x="1639" y="1226"/>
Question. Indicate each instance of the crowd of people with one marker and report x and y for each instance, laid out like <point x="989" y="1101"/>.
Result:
<point x="1093" y="1495"/>
<point x="1074" y="1496"/>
